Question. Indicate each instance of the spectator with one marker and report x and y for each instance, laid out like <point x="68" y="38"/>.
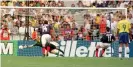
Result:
<point x="130" y="18"/>
<point x="62" y="33"/>
<point x="34" y="34"/>
<point x="102" y="25"/>
<point x="62" y="4"/>
<point x="88" y="37"/>
<point x="56" y="27"/>
<point x="74" y="29"/>
<point x="23" y="4"/>
<point x="33" y="22"/>
<point x="108" y="23"/>
<point x="95" y="33"/>
<point x="80" y="4"/>
<point x="3" y="3"/>
<point x="114" y="26"/>
<point x="73" y="5"/>
<point x="10" y="3"/>
<point x="15" y="32"/>
<point x="16" y="3"/>
<point x="80" y="35"/>
<point x="31" y="29"/>
<point x="31" y="4"/>
<point x="5" y="33"/>
<point x="68" y="33"/>
<point x="22" y="30"/>
<point x="87" y="26"/>
<point x="98" y="19"/>
<point x="9" y="21"/>
<point x="122" y="5"/>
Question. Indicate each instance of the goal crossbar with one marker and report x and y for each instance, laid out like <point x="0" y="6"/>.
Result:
<point x="68" y="8"/>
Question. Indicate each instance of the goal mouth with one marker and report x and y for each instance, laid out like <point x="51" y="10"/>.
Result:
<point x="59" y="11"/>
<point x="29" y="11"/>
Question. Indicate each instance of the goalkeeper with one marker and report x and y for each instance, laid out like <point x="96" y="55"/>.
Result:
<point x="49" y="47"/>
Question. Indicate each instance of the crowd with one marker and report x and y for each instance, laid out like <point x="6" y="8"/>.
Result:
<point x="64" y="24"/>
<point x="61" y="3"/>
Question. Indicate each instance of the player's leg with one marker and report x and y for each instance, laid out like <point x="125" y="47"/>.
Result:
<point x="120" y="50"/>
<point x="126" y="44"/>
<point x="56" y="53"/>
<point x="53" y="48"/>
<point x="45" y="44"/>
<point x="121" y="41"/>
<point x="48" y="38"/>
<point x="60" y="50"/>
<point x="103" y="50"/>
<point x="54" y="44"/>
<point x="43" y="40"/>
<point x="45" y="50"/>
<point x="127" y="50"/>
<point x="105" y="46"/>
<point x="97" y="49"/>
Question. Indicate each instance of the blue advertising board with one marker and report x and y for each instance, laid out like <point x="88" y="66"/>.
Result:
<point x="75" y="49"/>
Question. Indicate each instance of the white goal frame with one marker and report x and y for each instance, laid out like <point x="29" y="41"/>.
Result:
<point x="125" y="9"/>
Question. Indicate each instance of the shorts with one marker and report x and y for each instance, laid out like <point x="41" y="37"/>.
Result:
<point x="124" y="38"/>
<point x="49" y="48"/>
<point x="104" y="45"/>
<point x="45" y="38"/>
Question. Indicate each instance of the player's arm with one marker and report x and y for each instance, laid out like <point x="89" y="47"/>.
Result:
<point x="28" y="46"/>
<point x="130" y="33"/>
<point x="101" y="39"/>
<point x="118" y="28"/>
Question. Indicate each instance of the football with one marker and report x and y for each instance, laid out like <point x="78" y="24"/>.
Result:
<point x="20" y="47"/>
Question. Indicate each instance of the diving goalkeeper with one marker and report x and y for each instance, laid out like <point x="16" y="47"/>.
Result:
<point x="49" y="47"/>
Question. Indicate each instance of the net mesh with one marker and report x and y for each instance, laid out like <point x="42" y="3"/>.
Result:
<point x="79" y="15"/>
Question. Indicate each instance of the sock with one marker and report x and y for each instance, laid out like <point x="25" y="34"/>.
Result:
<point x="43" y="50"/>
<point x="103" y="50"/>
<point x="96" y="52"/>
<point x="120" y="52"/>
<point x="127" y="52"/>
<point x="59" y="54"/>
<point x="45" y="55"/>
<point x="56" y="54"/>
<point x="61" y="51"/>
<point x="48" y="48"/>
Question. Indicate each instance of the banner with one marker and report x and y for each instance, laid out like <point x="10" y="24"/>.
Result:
<point x="87" y="49"/>
<point x="75" y="49"/>
<point x="34" y="51"/>
<point x="8" y="47"/>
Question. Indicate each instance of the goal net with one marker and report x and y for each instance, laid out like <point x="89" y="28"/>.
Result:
<point x="87" y="25"/>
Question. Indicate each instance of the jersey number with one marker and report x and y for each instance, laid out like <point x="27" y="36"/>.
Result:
<point x="109" y="37"/>
<point x="45" y="28"/>
<point x="124" y="27"/>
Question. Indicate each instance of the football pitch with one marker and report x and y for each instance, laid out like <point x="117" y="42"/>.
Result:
<point x="19" y="61"/>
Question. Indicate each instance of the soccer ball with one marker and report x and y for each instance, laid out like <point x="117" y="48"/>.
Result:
<point x="21" y="47"/>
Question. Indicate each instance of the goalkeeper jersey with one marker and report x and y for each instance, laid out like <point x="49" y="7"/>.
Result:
<point x="38" y="44"/>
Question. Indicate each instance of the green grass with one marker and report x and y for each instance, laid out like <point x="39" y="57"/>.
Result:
<point x="18" y="61"/>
